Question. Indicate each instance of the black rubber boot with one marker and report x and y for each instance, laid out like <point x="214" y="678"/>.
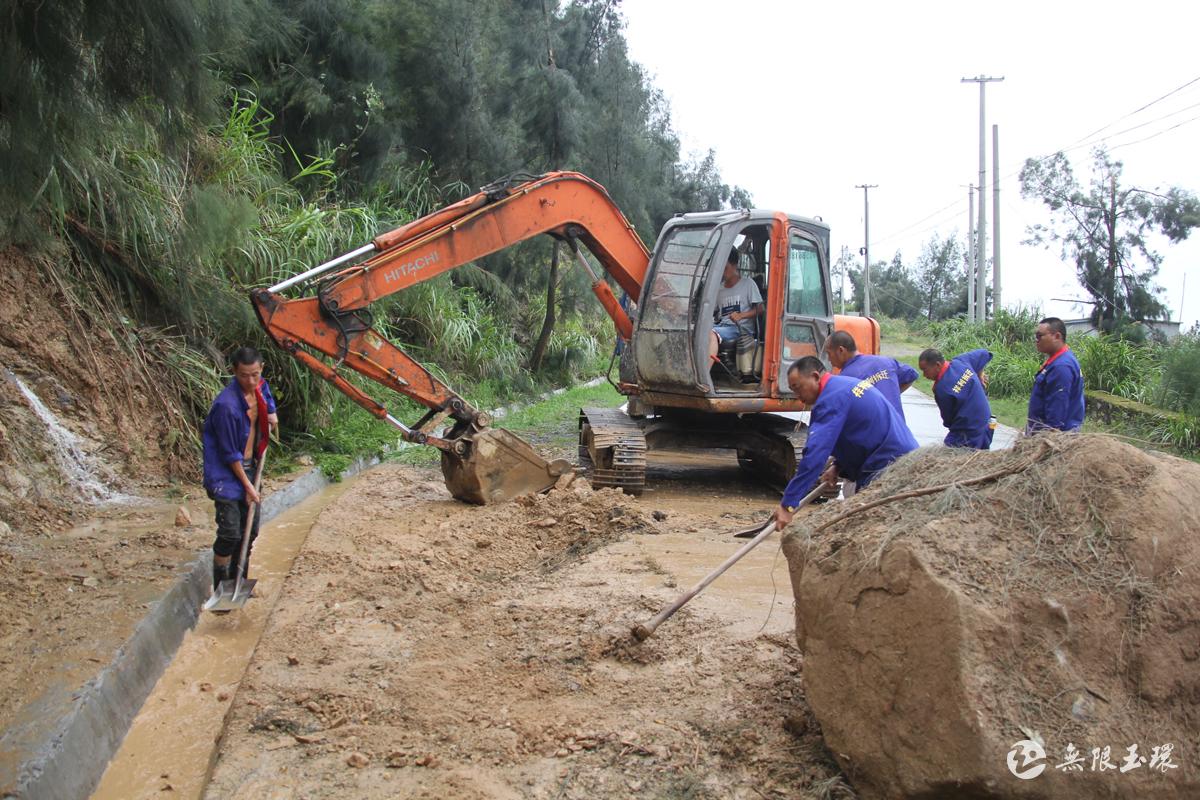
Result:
<point x="235" y="563"/>
<point x="220" y="572"/>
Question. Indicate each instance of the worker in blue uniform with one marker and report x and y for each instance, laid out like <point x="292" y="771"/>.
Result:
<point x="851" y="421"/>
<point x="235" y="437"/>
<point x="959" y="392"/>
<point x="1056" y="401"/>
<point x="886" y="374"/>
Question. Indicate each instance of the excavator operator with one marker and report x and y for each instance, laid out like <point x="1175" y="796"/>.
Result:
<point x="738" y="304"/>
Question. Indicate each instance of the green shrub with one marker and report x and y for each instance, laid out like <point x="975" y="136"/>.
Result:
<point x="1012" y="371"/>
<point x="892" y="329"/>
<point x="1118" y="366"/>
<point x="1179" y="387"/>
<point x="1009" y="329"/>
<point x="1009" y="337"/>
<point x="1181" y="432"/>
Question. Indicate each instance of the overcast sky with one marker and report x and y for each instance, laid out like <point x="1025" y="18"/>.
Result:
<point x="802" y="101"/>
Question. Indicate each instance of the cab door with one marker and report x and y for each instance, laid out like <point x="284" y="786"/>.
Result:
<point x="807" y="321"/>
<point x="665" y="341"/>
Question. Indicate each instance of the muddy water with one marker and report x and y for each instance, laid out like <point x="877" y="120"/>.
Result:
<point x="716" y="497"/>
<point x="72" y="599"/>
<point x="754" y="594"/>
<point x="168" y="749"/>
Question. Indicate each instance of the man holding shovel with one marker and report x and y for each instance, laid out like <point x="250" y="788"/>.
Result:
<point x="851" y="421"/>
<point x="235" y="437"/>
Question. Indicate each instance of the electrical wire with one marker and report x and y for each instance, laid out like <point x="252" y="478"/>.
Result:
<point x="1154" y="135"/>
<point x="774" y="588"/>
<point x="1077" y="144"/>
<point x="1103" y="128"/>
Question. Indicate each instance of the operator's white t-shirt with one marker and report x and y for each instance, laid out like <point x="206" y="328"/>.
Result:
<point x="739" y="297"/>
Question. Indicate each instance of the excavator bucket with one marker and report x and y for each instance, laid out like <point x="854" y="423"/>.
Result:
<point x="498" y="466"/>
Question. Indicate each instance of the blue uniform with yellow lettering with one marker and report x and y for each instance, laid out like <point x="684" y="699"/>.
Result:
<point x="963" y="402"/>
<point x="886" y="374"/>
<point x="855" y="424"/>
<point x="1057" y="397"/>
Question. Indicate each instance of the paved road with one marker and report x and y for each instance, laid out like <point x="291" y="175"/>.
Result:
<point x="925" y="422"/>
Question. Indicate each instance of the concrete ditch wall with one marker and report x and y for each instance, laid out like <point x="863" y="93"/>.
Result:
<point x="70" y="762"/>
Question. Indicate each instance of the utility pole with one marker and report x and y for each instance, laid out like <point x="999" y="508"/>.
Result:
<point x="866" y="247"/>
<point x="971" y="253"/>
<point x="1182" y="294"/>
<point x="981" y="228"/>
<point x="995" y="220"/>
<point x="845" y="260"/>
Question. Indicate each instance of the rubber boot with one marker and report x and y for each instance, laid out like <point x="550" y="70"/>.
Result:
<point x="220" y="572"/>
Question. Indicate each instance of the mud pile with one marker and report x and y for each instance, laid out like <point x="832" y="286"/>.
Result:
<point x="426" y="648"/>
<point x="1057" y="600"/>
<point x="492" y="543"/>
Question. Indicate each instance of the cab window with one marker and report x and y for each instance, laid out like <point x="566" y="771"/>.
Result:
<point x="685" y="258"/>
<point x="806" y="290"/>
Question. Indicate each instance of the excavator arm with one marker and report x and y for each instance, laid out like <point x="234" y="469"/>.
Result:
<point x="331" y="330"/>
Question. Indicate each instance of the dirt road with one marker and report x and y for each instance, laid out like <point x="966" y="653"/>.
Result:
<point x="423" y="648"/>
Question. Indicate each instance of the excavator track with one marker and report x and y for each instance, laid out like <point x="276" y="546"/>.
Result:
<point x="778" y="465"/>
<point x="775" y="457"/>
<point x="612" y="449"/>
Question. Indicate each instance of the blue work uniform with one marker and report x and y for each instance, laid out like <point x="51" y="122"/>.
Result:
<point x="961" y="398"/>
<point x="226" y="430"/>
<point x="887" y="375"/>
<point x="1057" y="397"/>
<point x="855" y="424"/>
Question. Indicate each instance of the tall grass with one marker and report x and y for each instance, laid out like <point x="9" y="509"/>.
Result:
<point x="169" y="240"/>
<point x="1120" y="367"/>
<point x="1179" y="387"/>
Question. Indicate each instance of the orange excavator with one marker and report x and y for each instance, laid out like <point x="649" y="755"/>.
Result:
<point x="679" y="396"/>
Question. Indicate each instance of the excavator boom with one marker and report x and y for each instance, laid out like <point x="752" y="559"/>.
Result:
<point x="480" y="464"/>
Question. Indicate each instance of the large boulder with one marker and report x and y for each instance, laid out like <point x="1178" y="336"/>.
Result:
<point x="1057" y="603"/>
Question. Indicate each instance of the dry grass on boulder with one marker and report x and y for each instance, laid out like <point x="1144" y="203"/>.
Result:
<point x="971" y="599"/>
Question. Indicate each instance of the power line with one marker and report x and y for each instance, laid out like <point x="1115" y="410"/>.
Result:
<point x="894" y="234"/>
<point x="1072" y="148"/>
<point x="1131" y="129"/>
<point x="1176" y="90"/>
<point x="1078" y="143"/>
<point x="1155" y="135"/>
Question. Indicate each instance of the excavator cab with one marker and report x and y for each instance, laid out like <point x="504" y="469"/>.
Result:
<point x="785" y="259"/>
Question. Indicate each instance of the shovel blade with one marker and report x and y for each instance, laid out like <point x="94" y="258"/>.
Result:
<point x="498" y="466"/>
<point x="229" y="596"/>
